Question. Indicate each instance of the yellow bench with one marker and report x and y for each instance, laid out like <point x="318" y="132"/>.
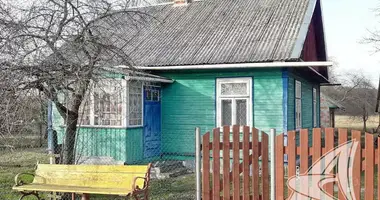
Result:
<point x="121" y="180"/>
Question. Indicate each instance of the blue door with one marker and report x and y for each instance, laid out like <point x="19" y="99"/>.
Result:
<point x="152" y="121"/>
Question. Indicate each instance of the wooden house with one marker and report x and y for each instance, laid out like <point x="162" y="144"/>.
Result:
<point x="207" y="64"/>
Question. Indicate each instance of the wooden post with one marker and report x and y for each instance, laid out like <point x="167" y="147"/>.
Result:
<point x="279" y="166"/>
<point x="236" y="163"/>
<point x="273" y="163"/>
<point x="198" y="162"/>
<point x="265" y="163"/>
<point x="369" y="166"/>
<point x="206" y="166"/>
<point x="216" y="164"/>
<point x="226" y="163"/>
<point x="255" y="164"/>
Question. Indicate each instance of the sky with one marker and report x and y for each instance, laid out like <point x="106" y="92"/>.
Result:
<point x="346" y="23"/>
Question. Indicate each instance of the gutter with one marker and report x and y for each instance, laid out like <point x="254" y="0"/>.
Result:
<point x="161" y="80"/>
<point x="240" y="66"/>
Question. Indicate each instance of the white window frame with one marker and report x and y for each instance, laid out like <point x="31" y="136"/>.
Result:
<point x="298" y="98"/>
<point x="315" y="107"/>
<point x="128" y="108"/>
<point x="125" y="106"/>
<point x="219" y="98"/>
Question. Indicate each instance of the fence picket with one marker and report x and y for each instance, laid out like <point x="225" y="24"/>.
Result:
<point x="292" y="151"/>
<point x="206" y="166"/>
<point x="226" y="163"/>
<point x="236" y="162"/>
<point x="255" y="164"/>
<point x="356" y="135"/>
<point x="216" y="164"/>
<point x="329" y="145"/>
<point x="378" y="168"/>
<point x="317" y="153"/>
<point x="246" y="176"/>
<point x="369" y="166"/>
<point x="304" y="157"/>
<point x="280" y="166"/>
<point x="341" y="140"/>
<point x="265" y="163"/>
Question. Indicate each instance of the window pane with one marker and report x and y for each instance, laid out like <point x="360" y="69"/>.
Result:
<point x="135" y="103"/>
<point x="234" y="89"/>
<point x="241" y="112"/>
<point x="156" y="95"/>
<point x="298" y="113"/>
<point x="315" y="113"/>
<point x="226" y="112"/>
<point x="85" y="113"/>
<point x="298" y="89"/>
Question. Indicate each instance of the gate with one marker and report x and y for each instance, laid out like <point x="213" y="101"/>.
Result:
<point x="249" y="158"/>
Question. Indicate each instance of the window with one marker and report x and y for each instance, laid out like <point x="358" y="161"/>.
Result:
<point x="135" y="103"/>
<point x="298" y="94"/>
<point x="107" y="105"/>
<point x="315" y="107"/>
<point x="234" y="97"/>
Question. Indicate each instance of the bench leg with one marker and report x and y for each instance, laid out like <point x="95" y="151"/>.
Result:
<point x="28" y="194"/>
<point x="85" y="197"/>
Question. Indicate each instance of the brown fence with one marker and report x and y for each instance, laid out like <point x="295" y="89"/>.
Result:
<point x="236" y="180"/>
<point x="324" y="140"/>
<point x="235" y="165"/>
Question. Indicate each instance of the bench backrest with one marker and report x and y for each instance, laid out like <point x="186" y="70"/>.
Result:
<point x="99" y="176"/>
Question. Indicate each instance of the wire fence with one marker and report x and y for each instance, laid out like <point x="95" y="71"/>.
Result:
<point x="172" y="174"/>
<point x="118" y="124"/>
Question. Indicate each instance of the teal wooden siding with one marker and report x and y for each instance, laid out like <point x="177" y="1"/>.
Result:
<point x="102" y="142"/>
<point x="134" y="145"/>
<point x="190" y="102"/>
<point x="307" y="102"/>
<point x="119" y="143"/>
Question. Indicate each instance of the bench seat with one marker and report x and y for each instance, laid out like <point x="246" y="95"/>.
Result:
<point x="121" y="180"/>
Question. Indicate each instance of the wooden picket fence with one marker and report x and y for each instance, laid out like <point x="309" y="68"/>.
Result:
<point x="324" y="140"/>
<point x="249" y="179"/>
<point x="228" y="182"/>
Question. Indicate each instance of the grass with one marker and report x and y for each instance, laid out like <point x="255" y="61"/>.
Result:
<point x="24" y="160"/>
<point x="356" y="123"/>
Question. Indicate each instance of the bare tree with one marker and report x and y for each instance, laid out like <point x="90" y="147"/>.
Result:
<point x="61" y="47"/>
<point x="357" y="94"/>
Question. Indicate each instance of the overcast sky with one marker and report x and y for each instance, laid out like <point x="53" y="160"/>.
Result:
<point x="346" y="23"/>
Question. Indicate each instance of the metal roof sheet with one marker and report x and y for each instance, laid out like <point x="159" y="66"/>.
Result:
<point x="218" y="31"/>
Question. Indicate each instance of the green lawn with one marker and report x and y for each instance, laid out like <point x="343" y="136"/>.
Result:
<point x="25" y="160"/>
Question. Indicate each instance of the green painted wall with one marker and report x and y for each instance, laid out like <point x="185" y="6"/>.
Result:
<point x="307" y="102"/>
<point x="134" y="145"/>
<point x="102" y="142"/>
<point x="190" y="102"/>
<point x="119" y="143"/>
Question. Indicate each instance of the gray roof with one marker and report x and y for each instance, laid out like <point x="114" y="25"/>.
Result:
<point x="221" y="31"/>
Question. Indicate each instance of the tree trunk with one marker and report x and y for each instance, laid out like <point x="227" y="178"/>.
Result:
<point x="70" y="136"/>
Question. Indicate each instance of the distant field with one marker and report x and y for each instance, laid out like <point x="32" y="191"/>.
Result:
<point x="355" y="122"/>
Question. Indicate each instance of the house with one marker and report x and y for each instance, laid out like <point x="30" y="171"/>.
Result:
<point x="210" y="63"/>
<point x="328" y="108"/>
